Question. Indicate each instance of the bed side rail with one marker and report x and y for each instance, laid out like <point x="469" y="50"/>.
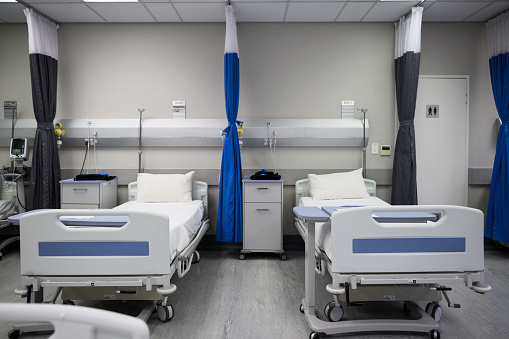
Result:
<point x="454" y="243"/>
<point x="77" y="321"/>
<point x="187" y="256"/>
<point x="48" y="247"/>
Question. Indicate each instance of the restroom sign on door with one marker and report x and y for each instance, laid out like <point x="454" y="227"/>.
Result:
<point x="432" y="111"/>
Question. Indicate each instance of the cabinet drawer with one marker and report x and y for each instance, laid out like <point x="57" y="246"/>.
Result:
<point x="262" y="226"/>
<point x="80" y="194"/>
<point x="262" y="192"/>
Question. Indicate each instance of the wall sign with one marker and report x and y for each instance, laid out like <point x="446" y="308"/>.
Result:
<point x="432" y="111"/>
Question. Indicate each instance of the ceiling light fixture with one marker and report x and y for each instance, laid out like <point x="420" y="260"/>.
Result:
<point x="110" y="0"/>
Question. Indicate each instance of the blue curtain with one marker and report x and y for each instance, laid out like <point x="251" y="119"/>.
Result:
<point x="229" y="214"/>
<point x="497" y="218"/>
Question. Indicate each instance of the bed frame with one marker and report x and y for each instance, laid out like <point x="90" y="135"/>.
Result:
<point x="107" y="276"/>
<point x="368" y="274"/>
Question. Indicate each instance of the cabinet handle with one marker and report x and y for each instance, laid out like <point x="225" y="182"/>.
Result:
<point x="263" y="210"/>
<point x="263" y="188"/>
<point x="81" y="189"/>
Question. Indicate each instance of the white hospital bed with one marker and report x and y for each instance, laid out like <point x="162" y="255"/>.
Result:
<point x="369" y="260"/>
<point x="127" y="253"/>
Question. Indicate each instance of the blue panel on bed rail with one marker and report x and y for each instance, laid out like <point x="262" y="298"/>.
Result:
<point x="87" y="249"/>
<point x="409" y="245"/>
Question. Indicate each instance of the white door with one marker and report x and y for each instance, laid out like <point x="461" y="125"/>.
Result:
<point x="441" y="140"/>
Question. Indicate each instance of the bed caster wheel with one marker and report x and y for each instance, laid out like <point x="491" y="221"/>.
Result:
<point x="196" y="257"/>
<point x="434" y="310"/>
<point x="314" y="335"/>
<point x="434" y="334"/>
<point x="165" y="313"/>
<point x="283" y="256"/>
<point x="68" y="302"/>
<point x="14" y="334"/>
<point x="242" y="257"/>
<point x="301" y="308"/>
<point x="333" y="313"/>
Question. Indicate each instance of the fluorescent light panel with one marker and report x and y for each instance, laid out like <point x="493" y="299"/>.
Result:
<point x="7" y="0"/>
<point x="110" y="0"/>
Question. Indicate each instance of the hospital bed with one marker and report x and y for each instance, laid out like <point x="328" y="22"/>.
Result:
<point x="377" y="252"/>
<point x="130" y="252"/>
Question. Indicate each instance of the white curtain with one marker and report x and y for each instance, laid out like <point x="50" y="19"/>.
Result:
<point x="231" y="44"/>
<point x="42" y="37"/>
<point x="408" y="33"/>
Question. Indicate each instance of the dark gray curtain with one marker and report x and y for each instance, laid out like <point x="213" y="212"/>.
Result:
<point x="45" y="175"/>
<point x="407" y="61"/>
<point x="404" y="182"/>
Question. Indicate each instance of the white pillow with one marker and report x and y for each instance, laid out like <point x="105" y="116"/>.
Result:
<point x="165" y="187"/>
<point x="346" y="185"/>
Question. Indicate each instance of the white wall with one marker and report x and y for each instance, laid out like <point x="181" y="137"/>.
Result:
<point x="287" y="71"/>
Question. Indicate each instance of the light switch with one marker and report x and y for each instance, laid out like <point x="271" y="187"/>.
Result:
<point x="374" y="148"/>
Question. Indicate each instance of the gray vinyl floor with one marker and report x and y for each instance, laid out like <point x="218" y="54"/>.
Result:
<point x="225" y="298"/>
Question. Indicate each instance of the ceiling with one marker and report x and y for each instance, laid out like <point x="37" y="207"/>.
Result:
<point x="151" y="11"/>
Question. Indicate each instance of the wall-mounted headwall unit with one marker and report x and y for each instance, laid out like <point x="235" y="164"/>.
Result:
<point x="197" y="132"/>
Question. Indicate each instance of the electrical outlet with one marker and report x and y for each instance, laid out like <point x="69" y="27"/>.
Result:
<point x="92" y="142"/>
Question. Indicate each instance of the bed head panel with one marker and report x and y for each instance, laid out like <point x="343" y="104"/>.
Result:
<point x="302" y="189"/>
<point x="200" y="192"/>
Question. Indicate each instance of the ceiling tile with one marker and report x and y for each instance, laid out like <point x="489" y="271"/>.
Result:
<point x="313" y="12"/>
<point x="489" y="12"/>
<point x="260" y="12"/>
<point x="71" y="12"/>
<point x="12" y="13"/>
<point x="452" y="11"/>
<point x="389" y="11"/>
<point x="125" y="12"/>
<point x="354" y="11"/>
<point x="163" y="12"/>
<point x="257" y="10"/>
<point x="201" y="12"/>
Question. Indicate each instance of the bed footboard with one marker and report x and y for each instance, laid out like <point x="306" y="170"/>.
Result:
<point x="453" y="243"/>
<point x="50" y="248"/>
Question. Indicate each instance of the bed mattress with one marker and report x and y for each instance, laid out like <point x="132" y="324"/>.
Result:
<point x="323" y="229"/>
<point x="185" y="220"/>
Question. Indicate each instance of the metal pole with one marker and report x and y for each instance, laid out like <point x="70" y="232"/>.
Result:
<point x="364" y="145"/>
<point x="141" y="110"/>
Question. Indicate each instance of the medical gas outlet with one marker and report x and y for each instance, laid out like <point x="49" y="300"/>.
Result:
<point x="91" y="141"/>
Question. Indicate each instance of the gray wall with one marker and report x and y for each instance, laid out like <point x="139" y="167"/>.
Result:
<point x="287" y="71"/>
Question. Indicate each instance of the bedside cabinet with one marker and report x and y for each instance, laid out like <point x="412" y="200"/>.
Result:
<point x="262" y="211"/>
<point x="88" y="194"/>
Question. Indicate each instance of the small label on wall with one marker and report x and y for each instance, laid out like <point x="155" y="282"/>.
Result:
<point x="432" y="111"/>
<point x="179" y="109"/>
